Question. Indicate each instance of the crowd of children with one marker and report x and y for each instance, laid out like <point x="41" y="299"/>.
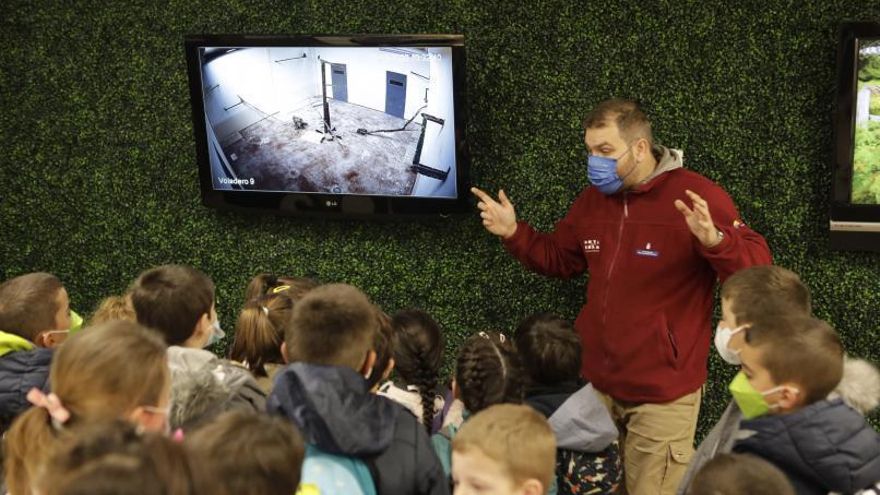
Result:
<point x="324" y="393"/>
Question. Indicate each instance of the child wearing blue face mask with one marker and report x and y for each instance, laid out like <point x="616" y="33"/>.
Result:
<point x="789" y="366"/>
<point x="178" y="301"/>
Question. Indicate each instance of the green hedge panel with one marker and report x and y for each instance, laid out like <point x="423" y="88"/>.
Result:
<point x="99" y="176"/>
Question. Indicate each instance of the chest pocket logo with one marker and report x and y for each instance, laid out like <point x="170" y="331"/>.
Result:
<point x="591" y="246"/>
<point x="648" y="252"/>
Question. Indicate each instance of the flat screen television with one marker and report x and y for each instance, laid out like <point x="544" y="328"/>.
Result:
<point x="855" y="205"/>
<point x="353" y="126"/>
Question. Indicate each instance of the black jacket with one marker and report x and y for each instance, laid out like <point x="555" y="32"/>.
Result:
<point x="824" y="447"/>
<point x="21" y="371"/>
<point x="336" y="412"/>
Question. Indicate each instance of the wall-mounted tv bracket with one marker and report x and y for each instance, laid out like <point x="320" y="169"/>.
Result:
<point x="240" y="102"/>
<point x="419" y="167"/>
<point x="291" y="58"/>
<point x="328" y="131"/>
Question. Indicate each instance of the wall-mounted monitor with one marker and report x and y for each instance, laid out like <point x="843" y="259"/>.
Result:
<point x="855" y="206"/>
<point x="330" y="125"/>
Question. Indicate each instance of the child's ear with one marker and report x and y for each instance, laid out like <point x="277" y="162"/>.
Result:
<point x="41" y="340"/>
<point x="284" y="353"/>
<point x="369" y="362"/>
<point x="790" y="396"/>
<point x="388" y="369"/>
<point x="532" y="487"/>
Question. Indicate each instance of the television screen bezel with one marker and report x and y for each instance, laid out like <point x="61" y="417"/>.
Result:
<point x="853" y="226"/>
<point x="330" y="204"/>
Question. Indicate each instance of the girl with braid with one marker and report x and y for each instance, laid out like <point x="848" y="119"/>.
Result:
<point x="488" y="371"/>
<point x="417" y="352"/>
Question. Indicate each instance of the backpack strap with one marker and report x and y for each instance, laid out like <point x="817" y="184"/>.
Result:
<point x="374" y="472"/>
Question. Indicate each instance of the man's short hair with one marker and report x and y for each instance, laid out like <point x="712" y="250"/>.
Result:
<point x="739" y="474"/>
<point x="171" y="299"/>
<point x="799" y="349"/>
<point x="333" y="324"/>
<point x="763" y="290"/>
<point x="502" y="431"/>
<point x="28" y="304"/>
<point x="550" y="349"/>
<point x="631" y="120"/>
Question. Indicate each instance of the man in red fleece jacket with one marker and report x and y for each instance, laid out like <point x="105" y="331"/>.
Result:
<point x="654" y="249"/>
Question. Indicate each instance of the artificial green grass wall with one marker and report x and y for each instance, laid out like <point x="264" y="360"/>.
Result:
<point x="99" y="177"/>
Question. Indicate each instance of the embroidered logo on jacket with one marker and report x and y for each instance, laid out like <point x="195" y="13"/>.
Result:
<point x="647" y="251"/>
<point x="591" y="245"/>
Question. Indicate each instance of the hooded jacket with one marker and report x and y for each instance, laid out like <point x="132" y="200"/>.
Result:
<point x="579" y="419"/>
<point x="22" y="367"/>
<point x="825" y="447"/>
<point x="859" y="387"/>
<point x="645" y="326"/>
<point x="203" y="385"/>
<point x="335" y="411"/>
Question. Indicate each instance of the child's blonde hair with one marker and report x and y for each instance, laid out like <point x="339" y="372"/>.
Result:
<point x="113" y="308"/>
<point x="101" y="373"/>
<point x="502" y="432"/>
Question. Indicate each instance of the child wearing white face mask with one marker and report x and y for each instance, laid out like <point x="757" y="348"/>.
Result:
<point x="35" y="318"/>
<point x="178" y="301"/>
<point x="766" y="292"/>
<point x="789" y="366"/>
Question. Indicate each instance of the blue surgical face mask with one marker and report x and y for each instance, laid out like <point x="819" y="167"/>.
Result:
<point x="217" y="334"/>
<point x="602" y="172"/>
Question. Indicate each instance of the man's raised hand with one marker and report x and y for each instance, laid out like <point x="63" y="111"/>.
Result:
<point x="699" y="220"/>
<point x="498" y="217"/>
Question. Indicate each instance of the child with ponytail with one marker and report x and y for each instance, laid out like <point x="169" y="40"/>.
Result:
<point x="266" y="283"/>
<point x="417" y="351"/>
<point x="259" y="333"/>
<point x="114" y="371"/>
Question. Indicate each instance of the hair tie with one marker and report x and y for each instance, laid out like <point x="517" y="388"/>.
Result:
<point x="52" y="404"/>
<point x="497" y="351"/>
<point x="265" y="310"/>
<point x="276" y="290"/>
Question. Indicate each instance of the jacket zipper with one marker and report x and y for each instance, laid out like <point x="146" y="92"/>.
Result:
<point x="614" y="260"/>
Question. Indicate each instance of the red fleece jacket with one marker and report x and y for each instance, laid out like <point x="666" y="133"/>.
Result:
<point x="646" y="325"/>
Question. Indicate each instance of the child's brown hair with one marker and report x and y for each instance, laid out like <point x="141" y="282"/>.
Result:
<point x="332" y="324"/>
<point x="763" y="290"/>
<point x="29" y="303"/>
<point x="549" y="348"/>
<point x="739" y="474"/>
<point x="266" y="283"/>
<point x="250" y="453"/>
<point x="172" y="299"/>
<point x="101" y="373"/>
<point x="113" y="308"/>
<point x="502" y="432"/>
<point x="112" y="458"/>
<point x="488" y="371"/>
<point x="799" y="349"/>
<point x="259" y="332"/>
